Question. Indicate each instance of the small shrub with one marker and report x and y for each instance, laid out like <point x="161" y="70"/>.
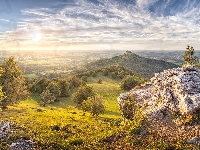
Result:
<point x="47" y="97"/>
<point x="82" y="94"/>
<point x="94" y="105"/>
<point x="76" y="142"/>
<point x="135" y="130"/>
<point x="84" y="78"/>
<point x="55" y="128"/>
<point x="128" y="109"/>
<point x="99" y="81"/>
<point x="129" y="82"/>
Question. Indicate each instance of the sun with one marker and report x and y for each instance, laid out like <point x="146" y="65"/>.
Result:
<point x="36" y="36"/>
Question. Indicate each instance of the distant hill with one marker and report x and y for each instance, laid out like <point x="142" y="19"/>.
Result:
<point x="143" y="66"/>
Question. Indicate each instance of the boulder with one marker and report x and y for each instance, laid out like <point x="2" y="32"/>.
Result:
<point x="177" y="90"/>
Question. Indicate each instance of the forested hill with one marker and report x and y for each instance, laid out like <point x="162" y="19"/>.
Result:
<point x="143" y="66"/>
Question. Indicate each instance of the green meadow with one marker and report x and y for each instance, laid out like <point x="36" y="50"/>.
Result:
<point x="63" y="126"/>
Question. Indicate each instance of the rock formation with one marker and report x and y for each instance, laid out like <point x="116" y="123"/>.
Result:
<point x="176" y="90"/>
<point x="18" y="144"/>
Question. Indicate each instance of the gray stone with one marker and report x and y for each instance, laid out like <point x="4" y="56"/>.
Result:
<point x="177" y="89"/>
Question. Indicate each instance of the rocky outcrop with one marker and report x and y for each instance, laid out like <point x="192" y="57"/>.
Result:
<point x="6" y="129"/>
<point x="22" y="144"/>
<point x="177" y="90"/>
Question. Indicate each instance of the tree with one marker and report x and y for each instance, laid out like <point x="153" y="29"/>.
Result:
<point x="94" y="105"/>
<point x="129" y="82"/>
<point x="84" y="78"/>
<point x="54" y="89"/>
<point x="2" y="96"/>
<point x="188" y="57"/>
<point x="64" y="88"/>
<point x="99" y="81"/>
<point x="82" y="94"/>
<point x="105" y="72"/>
<point x="74" y="82"/>
<point x="40" y="85"/>
<point x="113" y="75"/>
<point x="129" y="107"/>
<point x="47" y="97"/>
<point x="12" y="82"/>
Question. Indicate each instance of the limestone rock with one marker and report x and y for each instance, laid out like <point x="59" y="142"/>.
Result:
<point x="177" y="90"/>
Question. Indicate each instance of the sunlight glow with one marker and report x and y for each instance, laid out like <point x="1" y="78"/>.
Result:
<point x="36" y="36"/>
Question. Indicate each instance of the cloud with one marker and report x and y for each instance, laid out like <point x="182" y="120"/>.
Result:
<point x="148" y="22"/>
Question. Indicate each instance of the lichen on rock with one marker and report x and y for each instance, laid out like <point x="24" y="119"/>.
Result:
<point x="176" y="90"/>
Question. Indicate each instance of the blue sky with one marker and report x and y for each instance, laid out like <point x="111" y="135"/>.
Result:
<point x="99" y="24"/>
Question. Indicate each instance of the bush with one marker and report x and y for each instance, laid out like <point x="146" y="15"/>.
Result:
<point x="82" y="94"/>
<point x="40" y="85"/>
<point x="84" y="78"/>
<point x="47" y="97"/>
<point x="113" y="75"/>
<point x="105" y="72"/>
<point x="129" y="108"/>
<point x="54" y="89"/>
<point x="129" y="82"/>
<point x="99" y="81"/>
<point x="94" y="105"/>
<point x="64" y="88"/>
<point x="74" y="82"/>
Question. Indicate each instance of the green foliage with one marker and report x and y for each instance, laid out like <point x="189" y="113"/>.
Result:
<point x="84" y="78"/>
<point x="188" y="57"/>
<point x="113" y="75"/>
<point x="2" y="96"/>
<point x="40" y="85"/>
<point x="68" y="128"/>
<point x="47" y="97"/>
<point x="76" y="142"/>
<point x="53" y="88"/>
<point x="129" y="108"/>
<point x="99" y="81"/>
<point x="105" y="72"/>
<point x="129" y="82"/>
<point x="94" y="74"/>
<point x="143" y="66"/>
<point x="82" y="94"/>
<point x="64" y="88"/>
<point x="135" y="130"/>
<point x="74" y="82"/>
<point x="12" y="82"/>
<point x="94" y="105"/>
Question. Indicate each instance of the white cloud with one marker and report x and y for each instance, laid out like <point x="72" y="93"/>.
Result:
<point x="113" y="22"/>
<point x="145" y="3"/>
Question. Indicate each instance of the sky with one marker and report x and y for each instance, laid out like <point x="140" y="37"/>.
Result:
<point x="99" y="24"/>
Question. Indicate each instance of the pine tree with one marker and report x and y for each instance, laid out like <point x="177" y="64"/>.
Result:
<point x="188" y="57"/>
<point x="12" y="82"/>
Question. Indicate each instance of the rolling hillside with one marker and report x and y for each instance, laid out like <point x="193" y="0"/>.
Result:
<point x="144" y="66"/>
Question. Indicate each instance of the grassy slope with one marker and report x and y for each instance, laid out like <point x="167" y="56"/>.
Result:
<point x="62" y="126"/>
<point x="143" y="66"/>
<point x="74" y="125"/>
